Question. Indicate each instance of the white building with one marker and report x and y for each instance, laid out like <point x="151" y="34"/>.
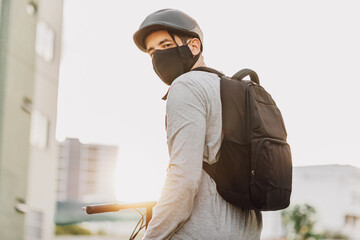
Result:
<point x="86" y="172"/>
<point x="333" y="190"/>
<point x="30" y="44"/>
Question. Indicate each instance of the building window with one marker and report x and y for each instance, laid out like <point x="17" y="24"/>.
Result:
<point x="39" y="130"/>
<point x="33" y="225"/>
<point x="351" y="220"/>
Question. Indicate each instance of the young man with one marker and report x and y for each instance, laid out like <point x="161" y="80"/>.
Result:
<point x="190" y="206"/>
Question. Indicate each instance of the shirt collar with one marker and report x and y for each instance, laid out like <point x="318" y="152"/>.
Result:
<point x="166" y="95"/>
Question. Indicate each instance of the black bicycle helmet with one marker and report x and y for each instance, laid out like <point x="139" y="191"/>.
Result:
<point x="167" y="19"/>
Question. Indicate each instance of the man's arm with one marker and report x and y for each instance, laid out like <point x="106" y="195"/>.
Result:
<point x="186" y="128"/>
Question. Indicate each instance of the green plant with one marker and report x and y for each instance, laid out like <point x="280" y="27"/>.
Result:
<point x="71" y="230"/>
<point x="300" y="221"/>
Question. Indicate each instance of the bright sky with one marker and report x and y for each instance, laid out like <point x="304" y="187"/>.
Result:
<point x="306" y="53"/>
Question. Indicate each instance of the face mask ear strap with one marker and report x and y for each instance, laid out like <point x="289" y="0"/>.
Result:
<point x="173" y="37"/>
<point x="195" y="58"/>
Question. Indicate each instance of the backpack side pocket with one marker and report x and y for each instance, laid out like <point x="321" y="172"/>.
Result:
<point x="271" y="175"/>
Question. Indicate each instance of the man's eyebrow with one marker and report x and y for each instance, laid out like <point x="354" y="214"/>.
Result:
<point x="165" y="40"/>
<point x="161" y="42"/>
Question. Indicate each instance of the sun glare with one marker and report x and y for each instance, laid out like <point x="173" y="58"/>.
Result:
<point x="135" y="181"/>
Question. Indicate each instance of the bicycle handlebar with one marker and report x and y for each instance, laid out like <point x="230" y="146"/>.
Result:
<point x="114" y="207"/>
<point x="101" y="208"/>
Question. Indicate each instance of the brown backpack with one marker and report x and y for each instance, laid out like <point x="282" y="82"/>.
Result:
<point x="254" y="170"/>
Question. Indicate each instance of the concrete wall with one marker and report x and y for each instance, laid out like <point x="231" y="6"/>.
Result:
<point x="43" y="159"/>
<point x="17" y="77"/>
<point x="30" y="34"/>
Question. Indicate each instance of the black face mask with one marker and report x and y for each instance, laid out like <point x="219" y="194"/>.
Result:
<point x="171" y="63"/>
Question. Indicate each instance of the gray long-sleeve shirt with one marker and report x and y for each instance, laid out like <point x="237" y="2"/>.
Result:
<point x="190" y="206"/>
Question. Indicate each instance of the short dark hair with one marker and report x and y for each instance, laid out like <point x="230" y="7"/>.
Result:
<point x="184" y="38"/>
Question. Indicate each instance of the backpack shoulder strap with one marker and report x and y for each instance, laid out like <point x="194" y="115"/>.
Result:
<point x="210" y="70"/>
<point x="209" y="169"/>
<point x="239" y="75"/>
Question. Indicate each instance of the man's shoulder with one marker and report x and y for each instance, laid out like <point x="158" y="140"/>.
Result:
<point x="195" y="78"/>
<point x="202" y="84"/>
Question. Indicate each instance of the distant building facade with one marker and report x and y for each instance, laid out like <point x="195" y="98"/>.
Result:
<point x="86" y="172"/>
<point x="333" y="190"/>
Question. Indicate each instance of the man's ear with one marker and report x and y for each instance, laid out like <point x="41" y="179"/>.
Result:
<point x="195" y="46"/>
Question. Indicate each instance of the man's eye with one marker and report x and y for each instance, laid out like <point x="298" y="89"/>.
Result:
<point x="167" y="45"/>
